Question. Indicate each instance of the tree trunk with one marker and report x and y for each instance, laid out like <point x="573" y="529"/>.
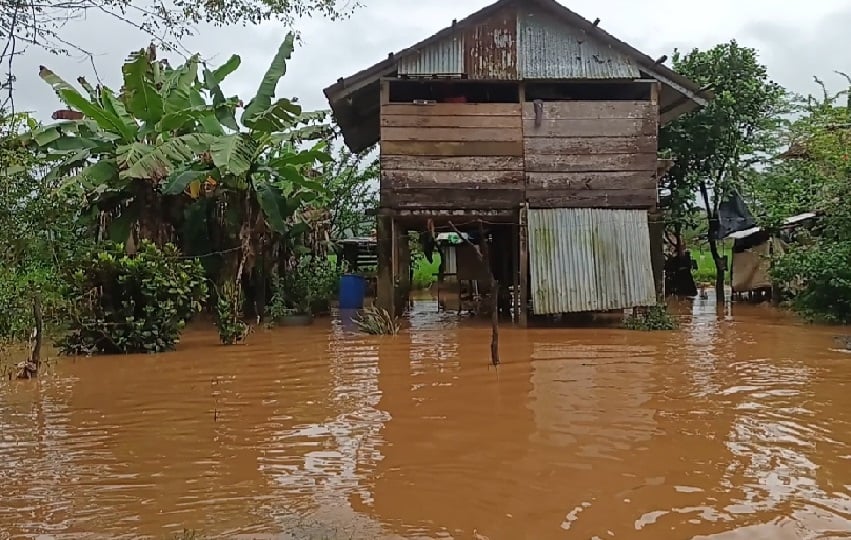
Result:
<point x="712" y="216"/>
<point x="719" y="269"/>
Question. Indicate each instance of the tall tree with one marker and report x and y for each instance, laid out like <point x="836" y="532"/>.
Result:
<point x="40" y="230"/>
<point x="351" y="181"/>
<point x="712" y="147"/>
<point x="813" y="175"/>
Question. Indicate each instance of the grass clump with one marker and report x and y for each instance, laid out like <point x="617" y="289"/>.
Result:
<point x="656" y="318"/>
<point x="377" y="322"/>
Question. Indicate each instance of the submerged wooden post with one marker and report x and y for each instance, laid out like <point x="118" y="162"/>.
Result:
<point x="515" y="271"/>
<point x="485" y="257"/>
<point x="524" y="267"/>
<point x="402" y="280"/>
<point x="483" y="254"/>
<point x="385" y="285"/>
<point x="657" y="254"/>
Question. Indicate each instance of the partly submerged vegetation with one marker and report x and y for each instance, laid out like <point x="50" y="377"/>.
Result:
<point x="378" y="322"/>
<point x="123" y="304"/>
<point x="654" y="318"/>
<point x="143" y="205"/>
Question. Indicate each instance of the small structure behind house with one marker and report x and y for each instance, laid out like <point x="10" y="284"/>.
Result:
<point x="533" y="131"/>
<point x="753" y="251"/>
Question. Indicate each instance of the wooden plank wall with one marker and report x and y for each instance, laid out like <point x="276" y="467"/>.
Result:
<point x="452" y="156"/>
<point x="591" y="154"/>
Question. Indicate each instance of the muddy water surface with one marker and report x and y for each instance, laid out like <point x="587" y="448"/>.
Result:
<point x="736" y="426"/>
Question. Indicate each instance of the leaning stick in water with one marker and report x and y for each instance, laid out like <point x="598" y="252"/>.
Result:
<point x="28" y="369"/>
<point x="484" y="257"/>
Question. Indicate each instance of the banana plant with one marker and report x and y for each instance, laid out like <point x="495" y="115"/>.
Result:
<point x="170" y="139"/>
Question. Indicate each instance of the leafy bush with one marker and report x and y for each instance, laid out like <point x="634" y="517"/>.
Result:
<point x="229" y="308"/>
<point x="323" y="282"/>
<point x="40" y="229"/>
<point x="818" y="278"/>
<point x="424" y="272"/>
<point x="653" y="319"/>
<point x="305" y="288"/>
<point x="131" y="304"/>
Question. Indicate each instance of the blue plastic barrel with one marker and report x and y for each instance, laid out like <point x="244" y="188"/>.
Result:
<point x="352" y="291"/>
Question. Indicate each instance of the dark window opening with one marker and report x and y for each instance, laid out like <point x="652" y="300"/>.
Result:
<point x="574" y="91"/>
<point x="453" y="92"/>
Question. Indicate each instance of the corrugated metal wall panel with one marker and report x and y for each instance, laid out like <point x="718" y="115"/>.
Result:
<point x="588" y="259"/>
<point x="490" y="48"/>
<point x="548" y="49"/>
<point x="445" y="57"/>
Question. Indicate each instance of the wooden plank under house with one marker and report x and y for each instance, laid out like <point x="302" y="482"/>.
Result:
<point x="536" y="132"/>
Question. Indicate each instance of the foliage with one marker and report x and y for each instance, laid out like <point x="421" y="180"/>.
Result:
<point x="229" y="309"/>
<point x="655" y="318"/>
<point x="351" y="181"/>
<point x="307" y="284"/>
<point x="424" y="272"/>
<point x="714" y="146"/>
<point x="323" y="282"/>
<point x="705" y="273"/>
<point x="815" y="174"/>
<point x="39" y="231"/>
<point x="166" y="160"/>
<point x="131" y="304"/>
<point x="823" y="276"/>
<point x="377" y="321"/>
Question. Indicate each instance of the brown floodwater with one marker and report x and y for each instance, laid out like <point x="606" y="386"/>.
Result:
<point x="736" y="426"/>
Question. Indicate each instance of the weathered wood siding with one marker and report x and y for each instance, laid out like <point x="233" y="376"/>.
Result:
<point x="452" y="156"/>
<point x="591" y="154"/>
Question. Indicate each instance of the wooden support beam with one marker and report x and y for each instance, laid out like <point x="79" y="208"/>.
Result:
<point x="384" y="234"/>
<point x="385" y="93"/>
<point x="656" y="227"/>
<point x="524" y="267"/>
<point x="403" y="274"/>
<point x="515" y="270"/>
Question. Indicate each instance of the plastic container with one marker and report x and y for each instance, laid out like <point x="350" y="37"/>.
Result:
<point x="352" y="291"/>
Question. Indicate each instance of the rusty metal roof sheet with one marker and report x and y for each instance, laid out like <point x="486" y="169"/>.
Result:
<point x="491" y="47"/>
<point x="550" y="49"/>
<point x="589" y="259"/>
<point x="443" y="57"/>
<point x="348" y="95"/>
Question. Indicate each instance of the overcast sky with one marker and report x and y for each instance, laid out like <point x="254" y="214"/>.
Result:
<point x="796" y="39"/>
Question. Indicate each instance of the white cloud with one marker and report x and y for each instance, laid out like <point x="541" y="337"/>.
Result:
<point x="796" y="39"/>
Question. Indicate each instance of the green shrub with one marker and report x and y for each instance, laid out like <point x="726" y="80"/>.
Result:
<point x="653" y="319"/>
<point x="818" y="280"/>
<point x="424" y="272"/>
<point x="18" y="289"/>
<point x="131" y="304"/>
<point x="306" y="288"/>
<point x="229" y="309"/>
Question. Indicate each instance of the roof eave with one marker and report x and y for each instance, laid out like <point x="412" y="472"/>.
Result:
<point x="693" y="97"/>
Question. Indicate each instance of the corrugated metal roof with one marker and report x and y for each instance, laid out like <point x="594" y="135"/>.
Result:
<point x="491" y="47"/>
<point x="550" y="49"/>
<point x="589" y="259"/>
<point x="354" y="99"/>
<point x="445" y="57"/>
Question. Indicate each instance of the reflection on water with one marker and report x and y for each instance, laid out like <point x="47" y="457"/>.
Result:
<point x="736" y="426"/>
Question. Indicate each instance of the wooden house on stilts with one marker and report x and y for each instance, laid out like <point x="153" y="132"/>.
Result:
<point x="534" y="131"/>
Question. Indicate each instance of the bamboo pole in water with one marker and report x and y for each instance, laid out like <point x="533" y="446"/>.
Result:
<point x="483" y="254"/>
